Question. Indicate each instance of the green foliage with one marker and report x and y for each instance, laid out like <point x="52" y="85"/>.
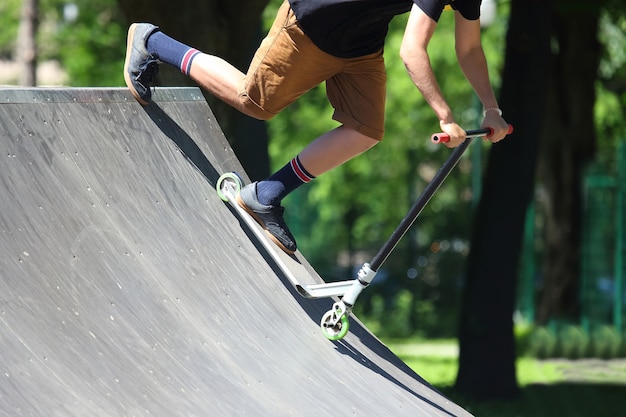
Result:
<point x="542" y="343"/>
<point x="92" y="47"/>
<point x="392" y="323"/>
<point x="573" y="342"/>
<point x="606" y="343"/>
<point x="398" y="312"/>
<point x="10" y="18"/>
<point x="398" y="323"/>
<point x="523" y="332"/>
<point x="611" y="87"/>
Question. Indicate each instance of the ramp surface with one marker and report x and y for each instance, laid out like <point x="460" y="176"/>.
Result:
<point x="128" y="288"/>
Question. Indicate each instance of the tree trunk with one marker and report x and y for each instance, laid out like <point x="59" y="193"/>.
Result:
<point x="569" y="143"/>
<point x="220" y="27"/>
<point x="27" y="43"/>
<point x="487" y="344"/>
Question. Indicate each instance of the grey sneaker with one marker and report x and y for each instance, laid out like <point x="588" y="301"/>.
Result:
<point x="269" y="217"/>
<point x="140" y="66"/>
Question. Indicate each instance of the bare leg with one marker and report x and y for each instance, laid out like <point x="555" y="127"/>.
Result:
<point x="323" y="154"/>
<point x="333" y="149"/>
<point x="219" y="78"/>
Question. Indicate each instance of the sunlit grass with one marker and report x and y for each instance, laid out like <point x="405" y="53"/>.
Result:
<point x="548" y="388"/>
<point x="438" y="362"/>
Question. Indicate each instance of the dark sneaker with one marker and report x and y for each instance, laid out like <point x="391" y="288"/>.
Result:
<point x="140" y="66"/>
<point x="269" y="217"/>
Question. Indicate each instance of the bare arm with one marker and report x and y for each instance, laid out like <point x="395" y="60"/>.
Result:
<point x="414" y="54"/>
<point x="413" y="51"/>
<point x="473" y="63"/>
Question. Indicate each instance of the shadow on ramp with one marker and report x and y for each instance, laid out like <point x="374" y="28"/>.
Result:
<point x="128" y="288"/>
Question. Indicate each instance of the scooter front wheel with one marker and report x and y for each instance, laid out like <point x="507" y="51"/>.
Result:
<point x="333" y="328"/>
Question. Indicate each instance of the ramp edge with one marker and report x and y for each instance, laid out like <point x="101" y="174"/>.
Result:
<point x="22" y="95"/>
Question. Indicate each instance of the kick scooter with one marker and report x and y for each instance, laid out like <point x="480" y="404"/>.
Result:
<point x="335" y="323"/>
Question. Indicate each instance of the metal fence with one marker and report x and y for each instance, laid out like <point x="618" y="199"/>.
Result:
<point x="603" y="251"/>
<point x="604" y="247"/>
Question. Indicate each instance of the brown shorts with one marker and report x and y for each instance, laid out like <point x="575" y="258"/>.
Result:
<point x="287" y="65"/>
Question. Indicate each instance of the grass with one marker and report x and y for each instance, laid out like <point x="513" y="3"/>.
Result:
<point x="549" y="388"/>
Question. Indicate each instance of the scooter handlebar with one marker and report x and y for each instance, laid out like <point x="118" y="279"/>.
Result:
<point x="485" y="131"/>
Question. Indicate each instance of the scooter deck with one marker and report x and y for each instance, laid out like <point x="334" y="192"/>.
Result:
<point x="297" y="270"/>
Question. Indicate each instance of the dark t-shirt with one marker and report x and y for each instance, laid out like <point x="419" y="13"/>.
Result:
<point x="352" y="28"/>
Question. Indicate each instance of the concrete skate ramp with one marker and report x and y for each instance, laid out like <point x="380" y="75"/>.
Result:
<point x="128" y="288"/>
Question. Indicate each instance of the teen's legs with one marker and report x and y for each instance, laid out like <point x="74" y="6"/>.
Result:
<point x="333" y="149"/>
<point x="357" y="93"/>
<point x="285" y="66"/>
<point x="323" y="154"/>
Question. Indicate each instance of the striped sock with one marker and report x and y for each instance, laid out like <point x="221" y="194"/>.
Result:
<point x="273" y="189"/>
<point x="171" y="51"/>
